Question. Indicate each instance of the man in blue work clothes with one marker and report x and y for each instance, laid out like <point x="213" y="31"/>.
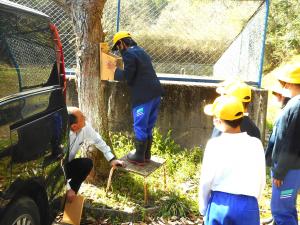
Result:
<point x="283" y="151"/>
<point x="146" y="92"/>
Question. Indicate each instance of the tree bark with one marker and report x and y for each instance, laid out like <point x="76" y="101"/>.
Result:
<point x="86" y="16"/>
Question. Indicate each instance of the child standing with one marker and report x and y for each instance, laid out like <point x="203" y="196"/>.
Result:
<point x="283" y="151"/>
<point x="146" y="92"/>
<point x="233" y="169"/>
<point x="242" y="91"/>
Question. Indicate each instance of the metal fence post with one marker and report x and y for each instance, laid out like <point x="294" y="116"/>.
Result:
<point x="263" y="45"/>
<point x="118" y="15"/>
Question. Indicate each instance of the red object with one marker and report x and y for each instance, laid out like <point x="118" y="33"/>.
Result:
<point x="59" y="57"/>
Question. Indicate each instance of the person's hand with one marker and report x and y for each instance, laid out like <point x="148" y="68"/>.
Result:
<point x="115" y="163"/>
<point x="111" y="66"/>
<point x="70" y="195"/>
<point x="277" y="182"/>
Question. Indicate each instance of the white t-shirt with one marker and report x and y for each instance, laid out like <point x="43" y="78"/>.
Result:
<point x="232" y="163"/>
<point x="89" y="135"/>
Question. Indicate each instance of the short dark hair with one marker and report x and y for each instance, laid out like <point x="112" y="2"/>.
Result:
<point x="128" y="41"/>
<point x="234" y="123"/>
<point x="72" y="118"/>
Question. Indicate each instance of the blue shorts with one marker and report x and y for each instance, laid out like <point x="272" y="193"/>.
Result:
<point x="230" y="209"/>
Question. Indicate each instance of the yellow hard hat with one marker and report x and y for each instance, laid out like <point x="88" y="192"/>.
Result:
<point x="225" y="107"/>
<point x="118" y="36"/>
<point x="289" y="73"/>
<point x="240" y="90"/>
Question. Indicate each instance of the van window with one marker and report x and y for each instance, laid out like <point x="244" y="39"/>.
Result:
<point x="27" y="53"/>
<point x="9" y="82"/>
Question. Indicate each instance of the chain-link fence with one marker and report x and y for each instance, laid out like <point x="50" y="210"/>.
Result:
<point x="40" y="60"/>
<point x="185" y="37"/>
<point x="27" y="51"/>
<point x="182" y="37"/>
<point x="61" y="20"/>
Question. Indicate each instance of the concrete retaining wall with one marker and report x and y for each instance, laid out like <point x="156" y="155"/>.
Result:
<point x="181" y="110"/>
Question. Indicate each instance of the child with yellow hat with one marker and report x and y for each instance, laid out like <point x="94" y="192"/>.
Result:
<point x="233" y="169"/>
<point x="283" y="151"/>
<point x="146" y="92"/>
<point x="242" y="91"/>
<point x="279" y="94"/>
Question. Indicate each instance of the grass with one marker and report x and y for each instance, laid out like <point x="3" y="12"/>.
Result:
<point x="180" y="199"/>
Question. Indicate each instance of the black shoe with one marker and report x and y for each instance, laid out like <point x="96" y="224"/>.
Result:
<point x="138" y="157"/>
<point x="148" y="150"/>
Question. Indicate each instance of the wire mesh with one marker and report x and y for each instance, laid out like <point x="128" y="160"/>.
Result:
<point x="27" y="49"/>
<point x="60" y="18"/>
<point x="35" y="67"/>
<point x="182" y="37"/>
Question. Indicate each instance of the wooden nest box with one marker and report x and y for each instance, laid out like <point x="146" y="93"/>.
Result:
<point x="105" y="57"/>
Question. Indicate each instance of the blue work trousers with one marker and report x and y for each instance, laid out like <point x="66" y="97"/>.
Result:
<point x="283" y="202"/>
<point x="144" y="118"/>
<point x="231" y="209"/>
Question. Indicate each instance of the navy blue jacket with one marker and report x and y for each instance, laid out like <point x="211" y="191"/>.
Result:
<point x="140" y="76"/>
<point x="247" y="125"/>
<point x="283" y="151"/>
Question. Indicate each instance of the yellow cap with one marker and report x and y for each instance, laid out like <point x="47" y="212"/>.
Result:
<point x="226" y="108"/>
<point x="289" y="73"/>
<point x="240" y="90"/>
<point x="118" y="36"/>
<point x="221" y="89"/>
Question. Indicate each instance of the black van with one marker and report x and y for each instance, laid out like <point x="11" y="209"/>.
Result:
<point x="33" y="116"/>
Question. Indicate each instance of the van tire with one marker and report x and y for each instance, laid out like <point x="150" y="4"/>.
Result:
<point x="23" y="209"/>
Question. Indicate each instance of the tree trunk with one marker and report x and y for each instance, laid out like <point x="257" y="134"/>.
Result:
<point x="86" y="16"/>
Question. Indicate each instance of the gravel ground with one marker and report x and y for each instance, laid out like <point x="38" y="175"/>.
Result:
<point x="149" y="221"/>
<point x="191" y="220"/>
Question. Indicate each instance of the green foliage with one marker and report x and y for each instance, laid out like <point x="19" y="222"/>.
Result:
<point x="180" y="198"/>
<point x="283" y="37"/>
<point x="164" y="145"/>
<point x="122" y="144"/>
<point x="269" y="126"/>
<point x="174" y="205"/>
<point x="182" y="167"/>
<point x="179" y="161"/>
